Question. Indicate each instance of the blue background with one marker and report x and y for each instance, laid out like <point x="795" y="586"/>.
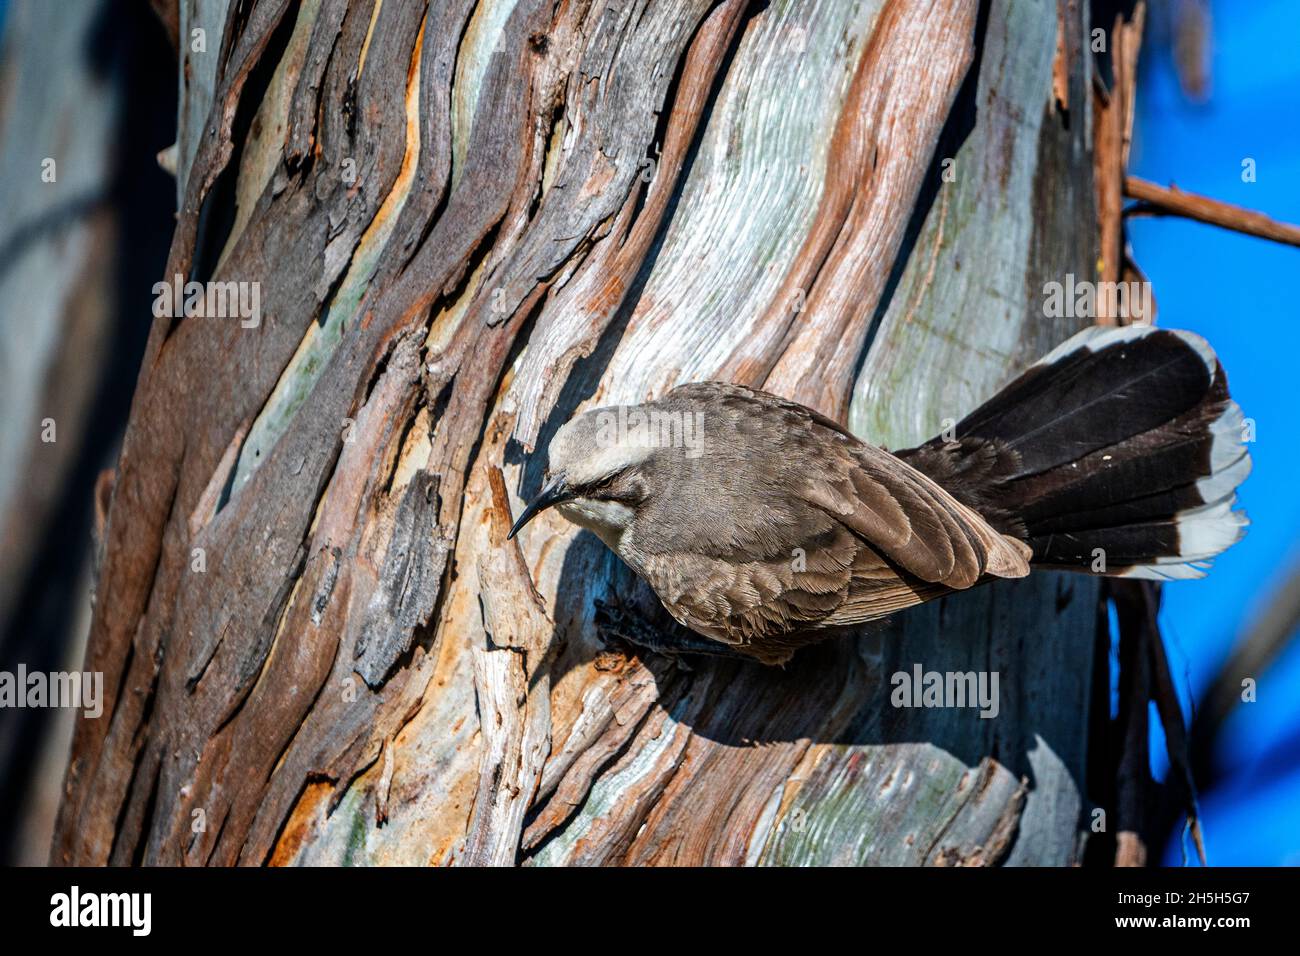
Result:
<point x="1239" y="293"/>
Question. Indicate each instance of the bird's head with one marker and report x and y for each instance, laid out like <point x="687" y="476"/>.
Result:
<point x="596" y="473"/>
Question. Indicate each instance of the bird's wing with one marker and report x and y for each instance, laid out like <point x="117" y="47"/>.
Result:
<point x="909" y="519"/>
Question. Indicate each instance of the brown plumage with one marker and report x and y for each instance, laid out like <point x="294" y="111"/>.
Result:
<point x="763" y="525"/>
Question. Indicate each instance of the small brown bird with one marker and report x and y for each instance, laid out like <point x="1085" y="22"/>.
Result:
<point x="763" y="525"/>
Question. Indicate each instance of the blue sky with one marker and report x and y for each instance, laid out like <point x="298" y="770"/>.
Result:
<point x="1239" y="292"/>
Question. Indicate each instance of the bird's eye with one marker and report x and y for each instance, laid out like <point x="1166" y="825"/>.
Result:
<point x="603" y="484"/>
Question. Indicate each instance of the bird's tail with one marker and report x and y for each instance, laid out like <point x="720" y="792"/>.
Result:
<point x="1118" y="453"/>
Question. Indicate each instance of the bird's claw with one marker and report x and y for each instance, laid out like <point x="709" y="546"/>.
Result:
<point x="627" y="623"/>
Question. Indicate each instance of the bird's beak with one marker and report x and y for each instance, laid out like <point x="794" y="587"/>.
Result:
<point x="554" y="492"/>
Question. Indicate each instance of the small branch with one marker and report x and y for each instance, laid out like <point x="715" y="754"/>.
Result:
<point x="1113" y="125"/>
<point x="1171" y="201"/>
<point x="1133" y="774"/>
<point x="1165" y="696"/>
<point x="1143" y="658"/>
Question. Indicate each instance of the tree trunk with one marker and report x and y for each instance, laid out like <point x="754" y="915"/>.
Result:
<point x="468" y="220"/>
<point x="83" y="225"/>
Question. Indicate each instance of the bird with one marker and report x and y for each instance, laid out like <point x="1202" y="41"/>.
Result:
<point x="763" y="526"/>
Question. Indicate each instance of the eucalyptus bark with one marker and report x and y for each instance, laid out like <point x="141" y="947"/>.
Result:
<point x="468" y="220"/>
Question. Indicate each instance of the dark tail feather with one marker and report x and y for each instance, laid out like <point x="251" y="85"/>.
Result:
<point x="1119" y="452"/>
